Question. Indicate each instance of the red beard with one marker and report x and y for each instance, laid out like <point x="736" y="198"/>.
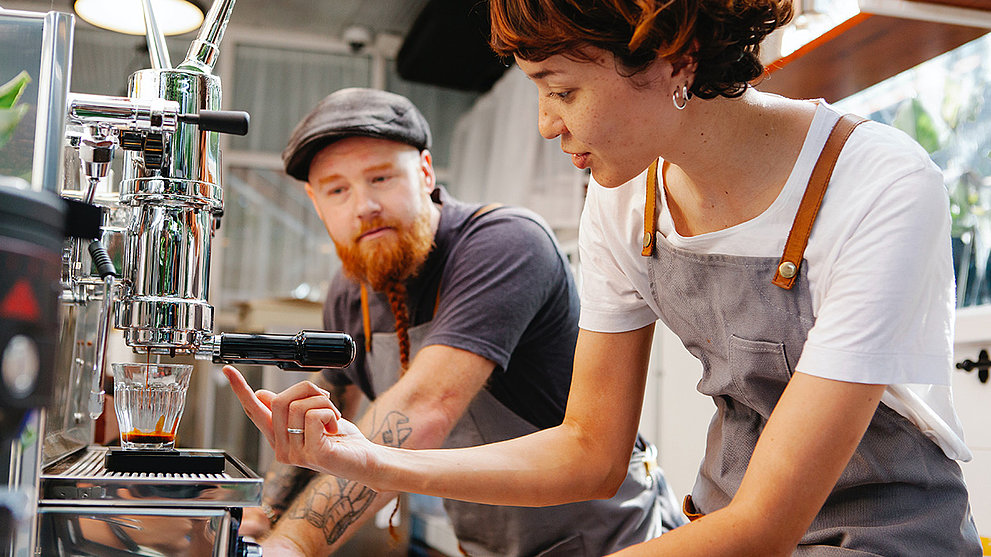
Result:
<point x="386" y="261"/>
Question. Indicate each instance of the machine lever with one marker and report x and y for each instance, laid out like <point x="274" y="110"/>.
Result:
<point x="304" y="351"/>
<point x="101" y="259"/>
<point x="223" y="121"/>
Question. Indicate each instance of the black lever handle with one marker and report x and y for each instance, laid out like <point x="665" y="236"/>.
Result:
<point x="304" y="351"/>
<point x="101" y="259"/>
<point x="223" y="121"/>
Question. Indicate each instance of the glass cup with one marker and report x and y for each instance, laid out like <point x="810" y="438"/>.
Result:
<point x="149" y="399"/>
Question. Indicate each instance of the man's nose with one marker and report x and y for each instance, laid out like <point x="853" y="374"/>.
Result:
<point x="366" y="204"/>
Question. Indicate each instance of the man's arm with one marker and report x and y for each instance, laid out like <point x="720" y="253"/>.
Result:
<point x="417" y="412"/>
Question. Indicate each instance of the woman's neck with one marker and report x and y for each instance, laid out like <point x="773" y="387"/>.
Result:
<point x="733" y="159"/>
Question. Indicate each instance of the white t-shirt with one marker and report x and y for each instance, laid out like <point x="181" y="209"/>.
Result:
<point x="879" y="268"/>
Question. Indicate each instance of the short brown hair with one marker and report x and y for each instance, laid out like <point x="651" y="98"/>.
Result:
<point x="721" y="36"/>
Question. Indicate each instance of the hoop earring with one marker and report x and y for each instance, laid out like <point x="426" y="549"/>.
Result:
<point x="680" y="97"/>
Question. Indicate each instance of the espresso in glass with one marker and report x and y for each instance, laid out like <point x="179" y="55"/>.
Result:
<point x="149" y="399"/>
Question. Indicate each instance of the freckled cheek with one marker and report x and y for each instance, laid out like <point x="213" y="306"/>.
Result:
<point x="592" y="128"/>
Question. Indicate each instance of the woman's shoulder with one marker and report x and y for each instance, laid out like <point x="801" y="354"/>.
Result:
<point x="612" y="214"/>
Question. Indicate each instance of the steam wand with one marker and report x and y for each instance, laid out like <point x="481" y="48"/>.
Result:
<point x="105" y="268"/>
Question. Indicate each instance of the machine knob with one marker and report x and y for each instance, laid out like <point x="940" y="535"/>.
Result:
<point x="20" y="366"/>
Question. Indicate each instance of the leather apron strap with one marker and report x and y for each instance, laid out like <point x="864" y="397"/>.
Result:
<point x="650" y="206"/>
<point x="366" y="319"/>
<point x="801" y="228"/>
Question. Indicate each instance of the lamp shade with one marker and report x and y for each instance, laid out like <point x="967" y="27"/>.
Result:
<point x="174" y="17"/>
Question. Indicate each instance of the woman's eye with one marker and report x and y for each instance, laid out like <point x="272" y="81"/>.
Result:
<point x="561" y="95"/>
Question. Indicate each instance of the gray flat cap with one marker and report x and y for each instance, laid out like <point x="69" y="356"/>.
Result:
<point x="351" y="112"/>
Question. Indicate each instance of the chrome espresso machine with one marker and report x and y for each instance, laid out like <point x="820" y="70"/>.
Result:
<point x="136" y="258"/>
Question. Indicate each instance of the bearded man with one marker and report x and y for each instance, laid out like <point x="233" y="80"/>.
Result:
<point x="465" y="318"/>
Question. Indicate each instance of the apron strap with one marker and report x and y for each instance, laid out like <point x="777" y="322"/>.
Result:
<point x="801" y="228"/>
<point x="366" y="320"/>
<point x="690" y="510"/>
<point x="650" y="206"/>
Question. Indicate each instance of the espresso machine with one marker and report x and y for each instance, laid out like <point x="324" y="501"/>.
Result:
<point x="137" y="259"/>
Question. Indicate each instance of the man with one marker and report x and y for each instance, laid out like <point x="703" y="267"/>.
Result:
<point x="465" y="319"/>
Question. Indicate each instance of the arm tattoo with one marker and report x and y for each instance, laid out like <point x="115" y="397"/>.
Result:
<point x="282" y="483"/>
<point x="334" y="504"/>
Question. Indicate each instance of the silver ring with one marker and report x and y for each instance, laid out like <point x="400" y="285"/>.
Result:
<point x="295" y="430"/>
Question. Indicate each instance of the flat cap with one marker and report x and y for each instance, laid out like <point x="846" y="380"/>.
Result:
<point x="351" y="112"/>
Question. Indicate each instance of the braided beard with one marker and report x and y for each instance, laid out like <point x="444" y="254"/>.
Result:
<point x="386" y="263"/>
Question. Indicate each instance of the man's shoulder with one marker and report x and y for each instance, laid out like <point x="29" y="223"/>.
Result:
<point x="342" y="293"/>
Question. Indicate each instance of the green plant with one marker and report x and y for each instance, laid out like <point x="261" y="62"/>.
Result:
<point x="10" y="112"/>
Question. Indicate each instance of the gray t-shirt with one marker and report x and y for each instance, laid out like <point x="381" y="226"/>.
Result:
<point x="506" y="294"/>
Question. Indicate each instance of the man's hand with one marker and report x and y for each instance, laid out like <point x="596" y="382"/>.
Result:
<point x="328" y="443"/>
<point x="254" y="523"/>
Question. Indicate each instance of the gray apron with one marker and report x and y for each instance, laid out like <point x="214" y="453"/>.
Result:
<point x="642" y="509"/>
<point x="899" y="494"/>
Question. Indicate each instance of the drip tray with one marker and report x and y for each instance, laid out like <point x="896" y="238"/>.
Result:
<point x="184" y="462"/>
<point x="83" y="479"/>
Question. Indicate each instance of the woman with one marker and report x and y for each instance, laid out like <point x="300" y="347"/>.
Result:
<point x="823" y="317"/>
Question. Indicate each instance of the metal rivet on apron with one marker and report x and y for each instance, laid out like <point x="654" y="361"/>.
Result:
<point x="787" y="269"/>
<point x="647" y="237"/>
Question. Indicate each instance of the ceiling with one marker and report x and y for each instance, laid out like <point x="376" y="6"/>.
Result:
<point x="326" y="17"/>
<point x="445" y="41"/>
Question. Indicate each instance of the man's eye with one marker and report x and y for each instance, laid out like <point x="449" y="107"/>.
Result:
<point x="380" y="179"/>
<point x="561" y="95"/>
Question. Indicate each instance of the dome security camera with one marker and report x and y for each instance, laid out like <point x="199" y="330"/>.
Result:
<point x="357" y="38"/>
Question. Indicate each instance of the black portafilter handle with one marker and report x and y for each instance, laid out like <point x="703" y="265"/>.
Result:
<point x="223" y="121"/>
<point x="304" y="351"/>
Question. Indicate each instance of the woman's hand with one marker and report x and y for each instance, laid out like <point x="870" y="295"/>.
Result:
<point x="327" y="442"/>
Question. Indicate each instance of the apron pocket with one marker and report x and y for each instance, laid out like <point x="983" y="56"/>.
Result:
<point x="760" y="372"/>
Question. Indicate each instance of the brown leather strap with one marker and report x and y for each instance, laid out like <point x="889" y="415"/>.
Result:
<point x="688" y="507"/>
<point x="649" y="208"/>
<point x="366" y="319"/>
<point x="801" y="228"/>
<point x="484" y="209"/>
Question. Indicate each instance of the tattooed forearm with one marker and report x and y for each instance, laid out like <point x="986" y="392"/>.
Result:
<point x="333" y="504"/>
<point x="282" y="483"/>
<point x="393" y="429"/>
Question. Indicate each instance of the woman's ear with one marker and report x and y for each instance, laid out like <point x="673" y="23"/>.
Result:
<point x="683" y="68"/>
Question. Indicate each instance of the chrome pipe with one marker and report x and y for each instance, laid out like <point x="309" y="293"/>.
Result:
<point x="203" y="52"/>
<point x="153" y="114"/>
<point x="157" y="50"/>
<point x="96" y="393"/>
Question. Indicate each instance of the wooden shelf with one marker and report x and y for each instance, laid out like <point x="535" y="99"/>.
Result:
<point x="863" y="51"/>
<point x="972" y="4"/>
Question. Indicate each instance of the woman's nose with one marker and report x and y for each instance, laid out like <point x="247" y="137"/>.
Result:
<point x="549" y="124"/>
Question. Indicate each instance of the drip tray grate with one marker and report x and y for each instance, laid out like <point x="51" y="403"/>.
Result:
<point x="82" y="478"/>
